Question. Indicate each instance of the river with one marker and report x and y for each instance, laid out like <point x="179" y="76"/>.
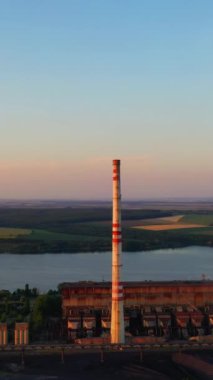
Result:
<point x="46" y="271"/>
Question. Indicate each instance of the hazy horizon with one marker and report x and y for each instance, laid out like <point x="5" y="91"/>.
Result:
<point x="133" y="200"/>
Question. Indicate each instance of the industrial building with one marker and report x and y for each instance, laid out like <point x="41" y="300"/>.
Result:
<point x="172" y="309"/>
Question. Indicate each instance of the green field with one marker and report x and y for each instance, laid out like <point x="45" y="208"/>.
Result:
<point x="57" y="236"/>
<point x="204" y="219"/>
<point x="48" y="235"/>
<point x="208" y="231"/>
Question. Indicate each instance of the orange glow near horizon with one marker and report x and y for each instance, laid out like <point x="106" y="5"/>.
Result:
<point x="142" y="177"/>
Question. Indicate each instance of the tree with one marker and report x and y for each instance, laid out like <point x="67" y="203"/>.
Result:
<point x="26" y="308"/>
<point x="45" y="307"/>
<point x="27" y="290"/>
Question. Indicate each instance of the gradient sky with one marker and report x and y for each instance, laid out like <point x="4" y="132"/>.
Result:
<point x="86" y="81"/>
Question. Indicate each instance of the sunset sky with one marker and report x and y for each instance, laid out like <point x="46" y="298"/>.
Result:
<point x="86" y="81"/>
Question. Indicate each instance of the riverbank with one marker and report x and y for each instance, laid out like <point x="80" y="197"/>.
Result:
<point x="132" y="242"/>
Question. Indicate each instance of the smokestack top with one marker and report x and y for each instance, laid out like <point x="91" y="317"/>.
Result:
<point x="116" y="162"/>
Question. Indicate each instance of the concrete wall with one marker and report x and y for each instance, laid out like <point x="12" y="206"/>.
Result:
<point x="3" y="334"/>
<point x="21" y="334"/>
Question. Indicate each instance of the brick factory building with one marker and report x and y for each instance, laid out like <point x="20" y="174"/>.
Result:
<point x="179" y="308"/>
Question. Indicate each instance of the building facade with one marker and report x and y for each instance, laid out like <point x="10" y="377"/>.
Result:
<point x="159" y="308"/>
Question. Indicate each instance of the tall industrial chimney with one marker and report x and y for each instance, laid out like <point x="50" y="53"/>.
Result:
<point x="117" y="314"/>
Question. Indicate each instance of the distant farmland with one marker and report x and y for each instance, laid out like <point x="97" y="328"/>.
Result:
<point x="166" y="227"/>
<point x="89" y="229"/>
<point x="205" y="219"/>
<point x="12" y="233"/>
<point x="171" y="223"/>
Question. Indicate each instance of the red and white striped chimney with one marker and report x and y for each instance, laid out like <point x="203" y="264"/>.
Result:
<point x="117" y="313"/>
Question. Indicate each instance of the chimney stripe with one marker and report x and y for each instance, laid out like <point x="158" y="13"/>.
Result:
<point x="116" y="240"/>
<point x="115" y="224"/>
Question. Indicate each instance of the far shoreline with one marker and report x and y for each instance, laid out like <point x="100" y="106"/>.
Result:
<point x="106" y="251"/>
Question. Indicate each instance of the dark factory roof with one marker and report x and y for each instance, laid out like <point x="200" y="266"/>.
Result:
<point x="130" y="284"/>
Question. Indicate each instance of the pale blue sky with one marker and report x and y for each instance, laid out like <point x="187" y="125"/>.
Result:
<point x="83" y="82"/>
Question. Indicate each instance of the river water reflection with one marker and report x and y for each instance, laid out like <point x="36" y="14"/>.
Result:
<point x="46" y="271"/>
